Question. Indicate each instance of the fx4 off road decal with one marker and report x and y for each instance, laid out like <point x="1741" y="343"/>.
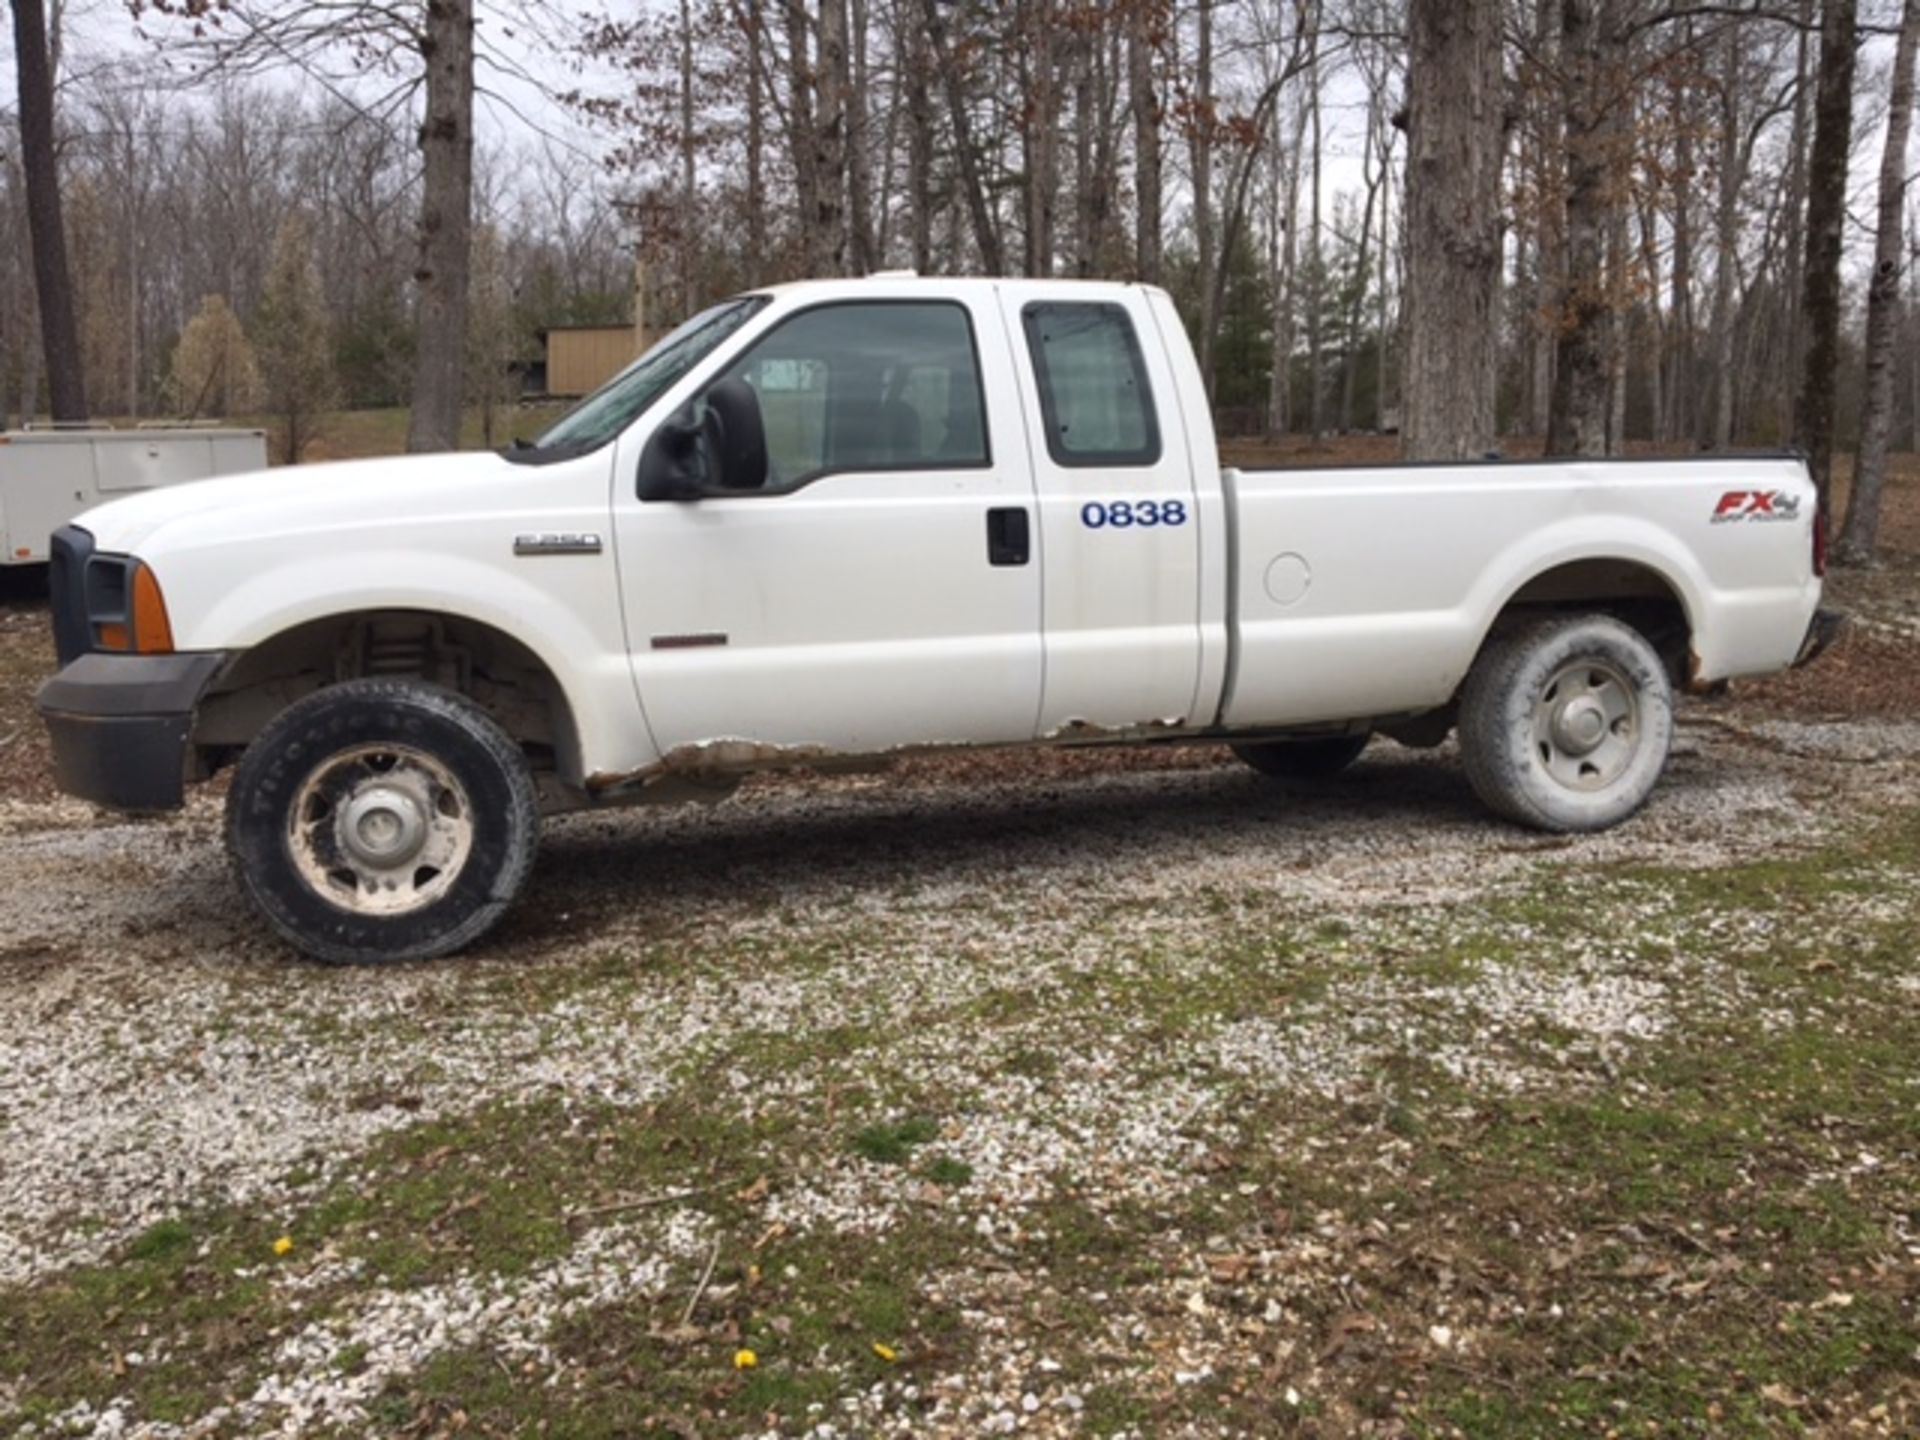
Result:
<point x="1756" y="505"/>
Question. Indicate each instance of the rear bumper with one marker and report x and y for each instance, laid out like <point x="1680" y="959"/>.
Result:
<point x="1822" y="631"/>
<point x="120" y="725"/>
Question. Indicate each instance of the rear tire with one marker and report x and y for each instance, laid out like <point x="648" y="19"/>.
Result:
<point x="1319" y="759"/>
<point x="382" y="820"/>
<point x="1565" y="723"/>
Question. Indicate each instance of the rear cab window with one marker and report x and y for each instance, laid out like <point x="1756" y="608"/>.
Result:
<point x="1095" y="400"/>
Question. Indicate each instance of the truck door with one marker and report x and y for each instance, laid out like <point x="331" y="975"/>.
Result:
<point x="882" y="590"/>
<point x="1119" y="531"/>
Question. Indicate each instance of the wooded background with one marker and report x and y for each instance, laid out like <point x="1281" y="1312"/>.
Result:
<point x="1590" y="221"/>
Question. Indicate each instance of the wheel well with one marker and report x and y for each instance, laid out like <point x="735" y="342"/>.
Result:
<point x="1636" y="594"/>
<point x="485" y="664"/>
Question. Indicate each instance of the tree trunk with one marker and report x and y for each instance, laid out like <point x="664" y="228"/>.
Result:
<point x="1038" y="129"/>
<point x="1550" y="161"/>
<point x="1826" y="219"/>
<point x="829" y="218"/>
<point x="919" y="77"/>
<point x="1380" y="298"/>
<point x="1796" y="201"/>
<point x="1142" y="42"/>
<point x="1086" y="181"/>
<point x="1200" y="151"/>
<point x="1357" y="299"/>
<point x="1577" y="418"/>
<point x="1617" y="327"/>
<point x="1316" y="271"/>
<point x="1726" y="225"/>
<point x="853" y="83"/>
<point x="689" y="179"/>
<point x="1883" y="309"/>
<point x="446" y="228"/>
<point x="801" y="138"/>
<point x="1656" y="349"/>
<point x="1277" y="224"/>
<point x="1455" y="97"/>
<point x="1680" y="330"/>
<point x="756" y="257"/>
<point x="1913" y="346"/>
<point x="53" y="285"/>
<point x="985" y="234"/>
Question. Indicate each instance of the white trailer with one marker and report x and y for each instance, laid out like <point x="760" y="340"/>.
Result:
<point x="49" y="476"/>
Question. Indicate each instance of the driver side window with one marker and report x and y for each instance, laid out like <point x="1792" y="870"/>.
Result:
<point x="868" y="385"/>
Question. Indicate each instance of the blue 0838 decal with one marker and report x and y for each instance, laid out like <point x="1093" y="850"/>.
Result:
<point x="1132" y="514"/>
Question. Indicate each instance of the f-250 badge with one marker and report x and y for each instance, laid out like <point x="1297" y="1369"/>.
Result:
<point x="1756" y="505"/>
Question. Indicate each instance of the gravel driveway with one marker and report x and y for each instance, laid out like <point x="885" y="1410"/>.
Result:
<point x="1136" y="1068"/>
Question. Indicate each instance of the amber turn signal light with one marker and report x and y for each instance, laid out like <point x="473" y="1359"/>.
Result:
<point x="152" y="631"/>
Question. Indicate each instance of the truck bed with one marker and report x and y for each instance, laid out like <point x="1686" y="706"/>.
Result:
<point x="1366" y="590"/>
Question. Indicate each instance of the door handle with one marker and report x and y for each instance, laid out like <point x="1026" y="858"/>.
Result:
<point x="1008" y="541"/>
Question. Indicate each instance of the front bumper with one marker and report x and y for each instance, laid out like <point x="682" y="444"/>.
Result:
<point x="120" y="725"/>
<point x="1825" y="628"/>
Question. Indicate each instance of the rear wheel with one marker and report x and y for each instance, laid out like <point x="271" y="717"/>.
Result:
<point x="1318" y="759"/>
<point x="1565" y="723"/>
<point x="382" y="820"/>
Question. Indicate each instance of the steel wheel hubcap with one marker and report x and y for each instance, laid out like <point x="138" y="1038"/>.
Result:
<point x="380" y="829"/>
<point x="1586" y="725"/>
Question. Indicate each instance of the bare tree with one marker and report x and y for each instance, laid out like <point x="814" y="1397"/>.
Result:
<point x="1826" y="218"/>
<point x="1040" y="126"/>
<point x="59" y="337"/>
<point x="1200" y="136"/>
<point x="1454" y="115"/>
<point x="1147" y="21"/>
<point x="986" y="232"/>
<point x="446" y="227"/>
<point x="423" y="47"/>
<point x="1592" y="48"/>
<point x="1883" y="309"/>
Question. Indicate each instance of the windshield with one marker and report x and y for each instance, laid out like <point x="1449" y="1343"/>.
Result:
<point x="616" y="404"/>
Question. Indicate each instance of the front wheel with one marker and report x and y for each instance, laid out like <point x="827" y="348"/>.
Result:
<point x="382" y="820"/>
<point x="1565" y="723"/>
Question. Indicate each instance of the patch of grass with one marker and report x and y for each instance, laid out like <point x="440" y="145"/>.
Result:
<point x="493" y="1192"/>
<point x="156" y="1322"/>
<point x="893" y="1142"/>
<point x="944" y="1170"/>
<point x="160" y="1241"/>
<point x="811" y="1308"/>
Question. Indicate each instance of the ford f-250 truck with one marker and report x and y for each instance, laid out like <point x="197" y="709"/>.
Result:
<point x="847" y="519"/>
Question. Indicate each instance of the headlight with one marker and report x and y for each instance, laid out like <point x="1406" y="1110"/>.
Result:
<point x="126" y="613"/>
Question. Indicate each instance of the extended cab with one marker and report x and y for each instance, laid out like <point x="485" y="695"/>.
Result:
<point x="855" y="518"/>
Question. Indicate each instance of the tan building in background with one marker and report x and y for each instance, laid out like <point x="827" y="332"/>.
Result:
<point x="582" y="358"/>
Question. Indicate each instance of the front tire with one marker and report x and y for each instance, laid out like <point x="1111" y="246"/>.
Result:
<point x="1319" y="759"/>
<point x="1565" y="723"/>
<point x="382" y="820"/>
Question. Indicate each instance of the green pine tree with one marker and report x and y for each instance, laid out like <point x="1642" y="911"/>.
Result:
<point x="292" y="345"/>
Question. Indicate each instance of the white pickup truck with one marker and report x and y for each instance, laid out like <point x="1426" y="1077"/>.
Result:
<point x="848" y="519"/>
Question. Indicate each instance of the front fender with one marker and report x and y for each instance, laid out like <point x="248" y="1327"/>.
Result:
<point x="563" y="609"/>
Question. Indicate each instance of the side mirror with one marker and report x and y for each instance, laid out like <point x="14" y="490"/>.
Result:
<point x="715" y="445"/>
<point x="737" y="435"/>
<point x="677" y="463"/>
